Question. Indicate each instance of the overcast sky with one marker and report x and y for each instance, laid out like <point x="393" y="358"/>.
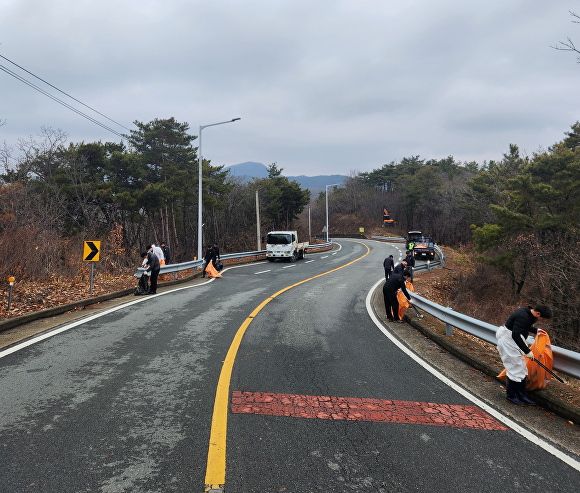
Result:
<point x="321" y="86"/>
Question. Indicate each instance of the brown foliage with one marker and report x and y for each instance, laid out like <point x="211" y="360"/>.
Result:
<point x="480" y="291"/>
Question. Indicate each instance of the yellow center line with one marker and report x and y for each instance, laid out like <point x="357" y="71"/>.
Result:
<point x="215" y="473"/>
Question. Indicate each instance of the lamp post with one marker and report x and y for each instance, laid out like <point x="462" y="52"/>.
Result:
<point x="309" y="228"/>
<point x="199" y="189"/>
<point x="334" y="185"/>
<point x="258" y="234"/>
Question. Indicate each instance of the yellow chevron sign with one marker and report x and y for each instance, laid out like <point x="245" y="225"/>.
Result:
<point x="92" y="251"/>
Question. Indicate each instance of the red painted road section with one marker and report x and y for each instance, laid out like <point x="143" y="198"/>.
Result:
<point x="357" y="409"/>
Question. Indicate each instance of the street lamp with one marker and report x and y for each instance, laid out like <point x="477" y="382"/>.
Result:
<point x="199" y="189"/>
<point x="335" y="185"/>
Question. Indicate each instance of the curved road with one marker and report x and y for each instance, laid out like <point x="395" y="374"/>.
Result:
<point x="274" y="378"/>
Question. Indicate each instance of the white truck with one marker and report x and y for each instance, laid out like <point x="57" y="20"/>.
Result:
<point x="284" y="244"/>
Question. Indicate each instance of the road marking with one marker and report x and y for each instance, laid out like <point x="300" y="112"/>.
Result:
<point x="308" y="261"/>
<point x="450" y="383"/>
<point x="359" y="409"/>
<point x="215" y="473"/>
<point x="263" y="271"/>
<point x="288" y="266"/>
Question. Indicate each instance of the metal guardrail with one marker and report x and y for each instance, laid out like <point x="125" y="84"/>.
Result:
<point x="387" y="238"/>
<point x="196" y="264"/>
<point x="565" y="361"/>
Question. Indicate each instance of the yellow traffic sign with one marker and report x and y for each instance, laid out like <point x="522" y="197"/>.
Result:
<point x="92" y="251"/>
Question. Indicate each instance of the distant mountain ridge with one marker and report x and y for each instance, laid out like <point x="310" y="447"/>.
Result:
<point x="249" y="170"/>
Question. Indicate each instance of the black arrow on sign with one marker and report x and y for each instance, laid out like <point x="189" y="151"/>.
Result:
<point x="94" y="251"/>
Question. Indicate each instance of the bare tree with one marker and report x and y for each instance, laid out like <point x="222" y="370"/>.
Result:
<point x="569" y="45"/>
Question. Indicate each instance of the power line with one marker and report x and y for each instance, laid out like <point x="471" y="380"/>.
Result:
<point x="22" y="79"/>
<point x="13" y="74"/>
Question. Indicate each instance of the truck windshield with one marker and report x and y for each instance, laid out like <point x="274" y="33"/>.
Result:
<point x="281" y="239"/>
<point x="424" y="242"/>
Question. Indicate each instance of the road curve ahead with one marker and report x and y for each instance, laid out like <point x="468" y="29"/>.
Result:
<point x="272" y="378"/>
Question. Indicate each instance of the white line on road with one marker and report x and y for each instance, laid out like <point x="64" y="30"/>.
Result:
<point x="478" y="402"/>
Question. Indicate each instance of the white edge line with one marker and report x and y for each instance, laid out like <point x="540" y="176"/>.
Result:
<point x="76" y="323"/>
<point x="490" y="410"/>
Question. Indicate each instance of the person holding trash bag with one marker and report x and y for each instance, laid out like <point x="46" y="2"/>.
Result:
<point x="154" y="267"/>
<point x="540" y="368"/>
<point x="392" y="284"/>
<point x="513" y="349"/>
<point x="207" y="258"/>
<point x="143" y="285"/>
<point x="403" y="302"/>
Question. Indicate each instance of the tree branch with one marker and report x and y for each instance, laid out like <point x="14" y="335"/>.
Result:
<point x="569" y="44"/>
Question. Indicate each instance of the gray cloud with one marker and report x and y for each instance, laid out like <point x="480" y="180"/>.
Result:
<point x="326" y="86"/>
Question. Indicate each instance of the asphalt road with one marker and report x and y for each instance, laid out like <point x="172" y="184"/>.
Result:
<point x="274" y="378"/>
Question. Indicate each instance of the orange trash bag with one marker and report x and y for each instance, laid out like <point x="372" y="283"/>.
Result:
<point x="403" y="302"/>
<point x="537" y="377"/>
<point x="211" y="271"/>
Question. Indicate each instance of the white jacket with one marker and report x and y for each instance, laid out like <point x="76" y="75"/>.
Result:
<point x="159" y="252"/>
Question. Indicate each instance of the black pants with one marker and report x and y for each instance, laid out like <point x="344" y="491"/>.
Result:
<point x="391" y="303"/>
<point x="154" y="276"/>
<point x="205" y="266"/>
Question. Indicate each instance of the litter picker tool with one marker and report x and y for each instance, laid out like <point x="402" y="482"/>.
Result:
<point x="416" y="311"/>
<point x="548" y="370"/>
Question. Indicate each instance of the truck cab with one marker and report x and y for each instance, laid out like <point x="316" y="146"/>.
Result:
<point x="284" y="245"/>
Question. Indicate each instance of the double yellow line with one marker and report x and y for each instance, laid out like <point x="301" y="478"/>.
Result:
<point x="215" y="473"/>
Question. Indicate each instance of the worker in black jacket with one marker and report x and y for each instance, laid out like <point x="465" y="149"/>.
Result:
<point x="513" y="349"/>
<point x="400" y="268"/>
<point x="388" y="265"/>
<point x="392" y="284"/>
<point x="207" y="258"/>
<point x="153" y="266"/>
<point x="410" y="259"/>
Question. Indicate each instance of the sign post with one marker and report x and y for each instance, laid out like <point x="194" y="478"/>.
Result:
<point x="92" y="253"/>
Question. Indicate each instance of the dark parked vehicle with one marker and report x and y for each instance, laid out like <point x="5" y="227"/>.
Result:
<point x="424" y="248"/>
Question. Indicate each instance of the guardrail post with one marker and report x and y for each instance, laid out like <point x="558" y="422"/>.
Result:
<point x="448" y="329"/>
<point x="448" y="326"/>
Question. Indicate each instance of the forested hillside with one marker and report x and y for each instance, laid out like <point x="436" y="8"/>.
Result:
<point x="517" y="217"/>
